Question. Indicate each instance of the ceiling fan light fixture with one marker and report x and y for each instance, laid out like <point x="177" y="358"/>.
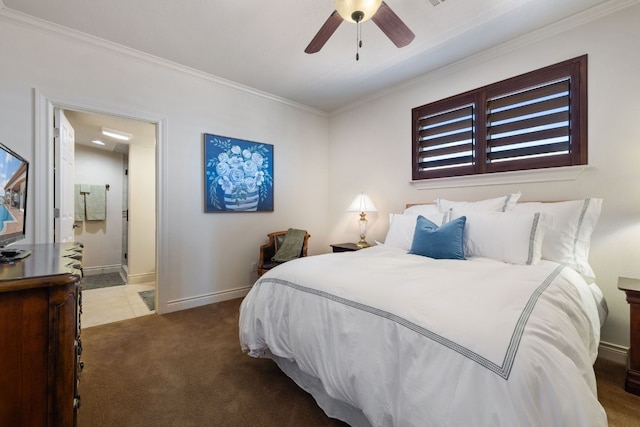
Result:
<point x="348" y="9"/>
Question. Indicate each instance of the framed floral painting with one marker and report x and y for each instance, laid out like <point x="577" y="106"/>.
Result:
<point x="238" y="175"/>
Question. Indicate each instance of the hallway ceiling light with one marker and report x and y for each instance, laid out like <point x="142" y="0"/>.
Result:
<point x="123" y="136"/>
<point x="98" y="142"/>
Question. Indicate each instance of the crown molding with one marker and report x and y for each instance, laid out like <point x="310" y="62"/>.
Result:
<point x="515" y="44"/>
<point x="31" y="22"/>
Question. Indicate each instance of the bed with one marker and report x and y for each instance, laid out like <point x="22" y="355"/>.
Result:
<point x="387" y="336"/>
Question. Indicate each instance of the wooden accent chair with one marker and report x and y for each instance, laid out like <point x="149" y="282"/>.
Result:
<point x="269" y="249"/>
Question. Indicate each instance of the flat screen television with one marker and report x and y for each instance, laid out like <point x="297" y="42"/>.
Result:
<point x="14" y="172"/>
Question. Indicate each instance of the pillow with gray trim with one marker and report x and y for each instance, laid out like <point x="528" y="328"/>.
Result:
<point x="515" y="238"/>
<point x="497" y="204"/>
<point x="568" y="240"/>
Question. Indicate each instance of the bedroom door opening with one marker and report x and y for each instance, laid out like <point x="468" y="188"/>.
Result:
<point x="120" y="244"/>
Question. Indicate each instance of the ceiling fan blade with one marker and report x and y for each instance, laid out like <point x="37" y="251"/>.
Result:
<point x="392" y="26"/>
<point x="326" y="31"/>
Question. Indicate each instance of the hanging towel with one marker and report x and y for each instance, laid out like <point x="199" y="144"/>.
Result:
<point x="291" y="245"/>
<point x="78" y="214"/>
<point x="96" y="203"/>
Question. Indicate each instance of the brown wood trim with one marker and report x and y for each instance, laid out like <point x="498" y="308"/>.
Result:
<point x="38" y="282"/>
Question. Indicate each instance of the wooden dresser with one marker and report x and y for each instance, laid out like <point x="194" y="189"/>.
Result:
<point x="40" y="343"/>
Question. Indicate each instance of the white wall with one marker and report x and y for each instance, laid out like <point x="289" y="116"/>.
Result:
<point x="375" y="155"/>
<point x="209" y="255"/>
<point x="102" y="239"/>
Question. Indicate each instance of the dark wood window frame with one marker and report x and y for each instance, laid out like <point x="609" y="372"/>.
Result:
<point x="532" y="121"/>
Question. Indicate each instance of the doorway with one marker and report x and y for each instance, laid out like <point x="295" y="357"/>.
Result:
<point x="103" y="162"/>
<point x="42" y="183"/>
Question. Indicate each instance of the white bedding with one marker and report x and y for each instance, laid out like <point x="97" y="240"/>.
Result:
<point x="412" y="341"/>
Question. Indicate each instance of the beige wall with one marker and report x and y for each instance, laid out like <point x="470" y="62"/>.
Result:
<point x="142" y="215"/>
<point x="103" y="239"/>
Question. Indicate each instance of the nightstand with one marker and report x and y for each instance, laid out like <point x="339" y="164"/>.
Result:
<point x="345" y="247"/>
<point x="632" y="289"/>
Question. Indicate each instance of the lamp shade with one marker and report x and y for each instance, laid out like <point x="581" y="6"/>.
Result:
<point x="362" y="203"/>
<point x="346" y="8"/>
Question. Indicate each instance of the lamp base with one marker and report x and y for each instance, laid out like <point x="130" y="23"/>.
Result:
<point x="362" y="244"/>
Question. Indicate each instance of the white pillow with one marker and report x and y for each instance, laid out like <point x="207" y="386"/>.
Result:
<point x="402" y="228"/>
<point x="424" y="210"/>
<point x="498" y="204"/>
<point x="569" y="238"/>
<point x="505" y="236"/>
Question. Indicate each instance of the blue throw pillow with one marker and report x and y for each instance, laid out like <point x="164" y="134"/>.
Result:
<point x="445" y="242"/>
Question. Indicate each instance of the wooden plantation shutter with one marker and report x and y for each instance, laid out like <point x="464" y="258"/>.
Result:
<point x="445" y="139"/>
<point x="536" y="120"/>
<point x="529" y="123"/>
<point x="444" y="133"/>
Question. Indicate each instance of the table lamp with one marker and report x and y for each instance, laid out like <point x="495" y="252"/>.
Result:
<point x="362" y="203"/>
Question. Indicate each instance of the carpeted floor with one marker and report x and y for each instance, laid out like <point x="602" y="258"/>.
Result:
<point x="186" y="369"/>
<point x="101" y="281"/>
<point x="623" y="409"/>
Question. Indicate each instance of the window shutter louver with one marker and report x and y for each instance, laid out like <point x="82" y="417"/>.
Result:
<point x="530" y="123"/>
<point x="446" y="139"/>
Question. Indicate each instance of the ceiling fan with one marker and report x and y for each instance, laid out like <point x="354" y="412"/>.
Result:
<point x="358" y="11"/>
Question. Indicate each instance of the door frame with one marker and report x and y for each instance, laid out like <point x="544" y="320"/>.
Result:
<point x="43" y="185"/>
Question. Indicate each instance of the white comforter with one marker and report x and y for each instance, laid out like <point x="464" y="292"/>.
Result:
<point x="413" y="341"/>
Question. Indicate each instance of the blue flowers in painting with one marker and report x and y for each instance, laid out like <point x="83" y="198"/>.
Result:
<point x="238" y="175"/>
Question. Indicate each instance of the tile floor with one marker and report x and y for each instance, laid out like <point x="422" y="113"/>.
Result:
<point x="106" y="305"/>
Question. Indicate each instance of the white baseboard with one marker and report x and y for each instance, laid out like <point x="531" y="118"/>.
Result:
<point x="101" y="269"/>
<point x="131" y="279"/>
<point x="613" y="352"/>
<point x="136" y="279"/>
<point x="186" y="303"/>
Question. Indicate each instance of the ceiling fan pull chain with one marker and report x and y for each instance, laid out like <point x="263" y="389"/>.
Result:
<point x="358" y="41"/>
<point x="357" y="16"/>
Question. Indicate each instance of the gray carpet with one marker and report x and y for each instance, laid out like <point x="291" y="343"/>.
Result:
<point x="101" y="281"/>
<point x="149" y="298"/>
